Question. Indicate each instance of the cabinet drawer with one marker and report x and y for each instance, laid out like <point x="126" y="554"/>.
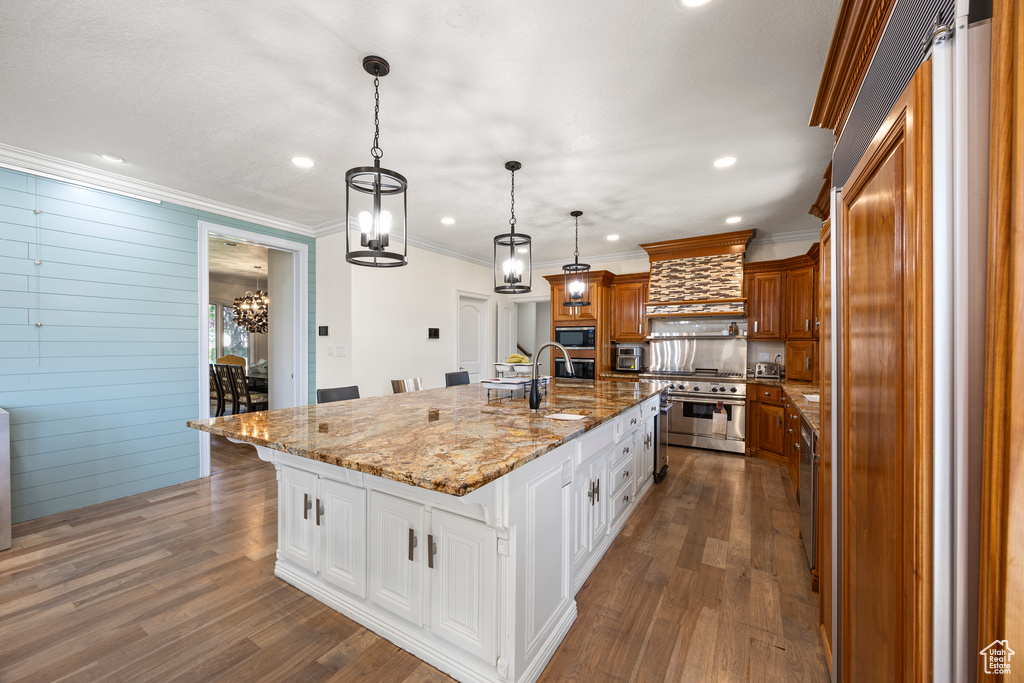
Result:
<point x="651" y="406"/>
<point x="619" y="506"/>
<point x="622" y="474"/>
<point x="628" y="421"/>
<point x="765" y="393"/>
<point x="625" y="447"/>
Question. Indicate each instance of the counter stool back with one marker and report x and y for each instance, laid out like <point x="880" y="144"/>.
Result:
<point x="454" y="379"/>
<point x="337" y="394"/>
<point x="400" y="386"/>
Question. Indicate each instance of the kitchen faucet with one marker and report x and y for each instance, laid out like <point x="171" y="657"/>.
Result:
<point x="535" y="386"/>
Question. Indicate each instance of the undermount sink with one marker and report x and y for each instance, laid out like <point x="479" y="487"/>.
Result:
<point x="813" y="398"/>
<point x="569" y="414"/>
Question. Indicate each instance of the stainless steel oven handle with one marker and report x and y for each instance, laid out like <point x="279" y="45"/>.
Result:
<point x="711" y="401"/>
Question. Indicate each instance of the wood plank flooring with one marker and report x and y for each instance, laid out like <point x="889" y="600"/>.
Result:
<point x="707" y="582"/>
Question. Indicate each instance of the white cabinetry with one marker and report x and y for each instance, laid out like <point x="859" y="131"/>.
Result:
<point x="322" y="528"/>
<point x="396" y="569"/>
<point x="590" y="514"/>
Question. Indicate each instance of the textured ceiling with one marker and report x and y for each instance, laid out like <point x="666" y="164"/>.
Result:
<point x="615" y="108"/>
<point x="237" y="259"/>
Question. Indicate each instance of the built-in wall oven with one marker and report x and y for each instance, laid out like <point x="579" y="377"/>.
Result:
<point x="576" y="337"/>
<point x="582" y="368"/>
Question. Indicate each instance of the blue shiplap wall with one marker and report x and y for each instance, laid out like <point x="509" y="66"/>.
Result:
<point x="100" y="392"/>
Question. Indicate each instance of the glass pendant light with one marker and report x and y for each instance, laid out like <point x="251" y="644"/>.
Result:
<point x="375" y="199"/>
<point x="513" y="252"/>
<point x="576" y="274"/>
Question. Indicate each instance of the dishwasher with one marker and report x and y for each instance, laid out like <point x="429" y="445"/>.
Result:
<point x="808" y="491"/>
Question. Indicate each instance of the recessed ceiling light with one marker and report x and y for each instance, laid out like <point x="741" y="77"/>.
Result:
<point x="302" y="162"/>
<point x="725" y="162"/>
<point x="733" y="219"/>
<point x="612" y="238"/>
<point x="112" y="157"/>
<point x="448" y="220"/>
<point x="693" y="3"/>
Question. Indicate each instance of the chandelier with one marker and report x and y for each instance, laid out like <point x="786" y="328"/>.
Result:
<point x="251" y="311"/>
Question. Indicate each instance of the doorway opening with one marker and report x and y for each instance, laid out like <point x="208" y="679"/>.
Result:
<point x="276" y="360"/>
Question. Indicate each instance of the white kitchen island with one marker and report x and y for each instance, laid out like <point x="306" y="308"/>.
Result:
<point x="480" y="585"/>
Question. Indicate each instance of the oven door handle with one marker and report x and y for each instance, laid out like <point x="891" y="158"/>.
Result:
<point x="711" y="401"/>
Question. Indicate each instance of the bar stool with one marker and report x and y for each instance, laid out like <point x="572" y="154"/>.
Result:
<point x="454" y="379"/>
<point x="400" y="386"/>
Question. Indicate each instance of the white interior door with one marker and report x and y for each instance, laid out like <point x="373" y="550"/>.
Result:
<point x="508" y="319"/>
<point x="472" y="334"/>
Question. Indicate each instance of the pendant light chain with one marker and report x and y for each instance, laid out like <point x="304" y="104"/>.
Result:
<point x="512" y="220"/>
<point x="576" y="254"/>
<point x="376" y="151"/>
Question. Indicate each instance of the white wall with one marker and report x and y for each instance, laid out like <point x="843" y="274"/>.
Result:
<point x="381" y="316"/>
<point x="333" y="309"/>
<point x="281" y="325"/>
<point x="526" y="332"/>
<point x="762" y="251"/>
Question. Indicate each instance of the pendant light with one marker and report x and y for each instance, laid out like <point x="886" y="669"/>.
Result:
<point x="513" y="252"/>
<point x="252" y="310"/>
<point x="375" y="200"/>
<point x="576" y="274"/>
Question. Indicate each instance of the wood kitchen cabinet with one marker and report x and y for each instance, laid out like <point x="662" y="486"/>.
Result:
<point x="597" y="315"/>
<point x="764" y="302"/>
<point x="791" y="444"/>
<point x="629" y="307"/>
<point x="765" y="423"/>
<point x="802" y="360"/>
<point x="800" y="308"/>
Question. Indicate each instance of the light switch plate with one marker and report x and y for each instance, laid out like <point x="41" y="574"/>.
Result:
<point x="342" y="351"/>
<point x="330" y="350"/>
<point x="762" y="357"/>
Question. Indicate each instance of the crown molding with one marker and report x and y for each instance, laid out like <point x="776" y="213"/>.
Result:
<point x="705" y="245"/>
<point x="811" y="235"/>
<point x="603" y="258"/>
<point x="33" y="162"/>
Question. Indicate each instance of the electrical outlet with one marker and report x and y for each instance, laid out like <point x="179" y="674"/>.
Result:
<point x="330" y="350"/>
<point x="763" y="357"/>
<point x="342" y="351"/>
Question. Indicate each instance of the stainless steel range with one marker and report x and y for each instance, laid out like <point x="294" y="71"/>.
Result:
<point x="708" y="389"/>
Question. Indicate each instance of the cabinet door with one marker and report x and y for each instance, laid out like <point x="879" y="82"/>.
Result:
<point x="296" y="520"/>
<point x="587" y="314"/>
<point x="801" y="358"/>
<point x="765" y="294"/>
<point x="770" y="428"/>
<point x="643" y="462"/>
<point x="463" y="583"/>
<point x="791" y="445"/>
<point x="800" y="314"/>
<point x="559" y="312"/>
<point x="602" y="492"/>
<point x="628" y="301"/>
<point x="343" y="536"/>
<point x="396" y="552"/>
<point x="579" y="522"/>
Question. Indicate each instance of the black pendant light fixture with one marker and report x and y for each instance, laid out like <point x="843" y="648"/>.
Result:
<point x="375" y="200"/>
<point x="513" y="252"/>
<point x="576" y="274"/>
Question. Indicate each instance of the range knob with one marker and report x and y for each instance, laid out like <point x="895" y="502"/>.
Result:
<point x="713" y="389"/>
<point x="733" y="390"/>
<point x="696" y="388"/>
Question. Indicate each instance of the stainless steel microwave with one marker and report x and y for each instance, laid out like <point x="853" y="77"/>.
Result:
<point x="575" y="337"/>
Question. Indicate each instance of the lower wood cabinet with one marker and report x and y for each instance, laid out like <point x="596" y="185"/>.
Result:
<point x="770" y="418"/>
<point x="791" y="444"/>
<point x="766" y="432"/>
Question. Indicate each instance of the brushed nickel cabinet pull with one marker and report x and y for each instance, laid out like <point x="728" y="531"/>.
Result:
<point x="767" y="393"/>
<point x="626" y="449"/>
<point x="590" y="493"/>
<point x="807" y="324"/>
<point x="779" y="418"/>
<point x="625" y="498"/>
<point x="319" y="511"/>
<point x="808" y="363"/>
<point x="431" y="549"/>
<point x="597" y="490"/>
<point x="625" y="474"/>
<point x="307" y="505"/>
<point x="755" y="326"/>
<point x="412" y="543"/>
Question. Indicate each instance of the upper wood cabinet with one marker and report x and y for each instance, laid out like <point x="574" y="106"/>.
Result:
<point x="764" y="304"/>
<point x="801" y="360"/>
<point x="800" y="308"/>
<point x="561" y="313"/>
<point x="629" y="307"/>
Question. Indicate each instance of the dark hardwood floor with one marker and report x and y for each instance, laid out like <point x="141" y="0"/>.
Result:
<point x="707" y="582"/>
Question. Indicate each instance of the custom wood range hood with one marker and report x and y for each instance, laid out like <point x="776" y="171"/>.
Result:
<point x="698" y="276"/>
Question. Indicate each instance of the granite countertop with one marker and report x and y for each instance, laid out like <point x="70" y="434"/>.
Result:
<point x="452" y="440"/>
<point x="809" y="410"/>
<point x="621" y="376"/>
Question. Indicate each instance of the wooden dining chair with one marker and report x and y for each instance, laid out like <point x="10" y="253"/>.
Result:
<point x="337" y="394"/>
<point x="226" y="385"/>
<point x="253" y="401"/>
<point x="216" y="391"/>
<point x="231" y="359"/>
<point x="454" y="379"/>
<point x="400" y="386"/>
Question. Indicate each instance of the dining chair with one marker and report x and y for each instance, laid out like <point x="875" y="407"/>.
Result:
<point x="253" y="401"/>
<point x="400" y="386"/>
<point x="454" y="379"/>
<point x="216" y="391"/>
<point x="226" y="386"/>
<point x="231" y="359"/>
<point x="337" y="394"/>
